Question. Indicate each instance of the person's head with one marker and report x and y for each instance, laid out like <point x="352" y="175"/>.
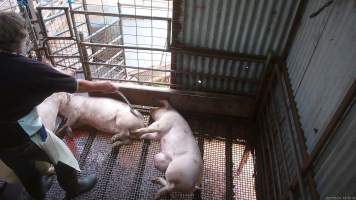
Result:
<point x="13" y="32"/>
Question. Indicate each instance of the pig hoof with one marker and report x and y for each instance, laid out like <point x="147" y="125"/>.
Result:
<point x="114" y="138"/>
<point x="155" y="180"/>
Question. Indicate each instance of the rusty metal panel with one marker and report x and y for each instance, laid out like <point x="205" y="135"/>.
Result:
<point x="335" y="173"/>
<point x="322" y="64"/>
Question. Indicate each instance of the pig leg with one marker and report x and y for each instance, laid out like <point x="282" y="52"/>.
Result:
<point x="154" y="127"/>
<point x="120" y="136"/>
<point x="150" y="136"/>
<point x="70" y="122"/>
<point x="161" y="161"/>
<point x="159" y="180"/>
<point x="119" y="143"/>
<point x="124" y="139"/>
<point x="165" y="190"/>
<point x="115" y="138"/>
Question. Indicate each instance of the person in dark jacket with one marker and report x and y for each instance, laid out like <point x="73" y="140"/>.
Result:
<point x="24" y="84"/>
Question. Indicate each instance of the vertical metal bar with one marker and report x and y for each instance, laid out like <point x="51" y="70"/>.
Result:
<point x="197" y="193"/>
<point x="261" y="188"/>
<point x="229" y="166"/>
<point x="266" y="71"/>
<point x="122" y="37"/>
<point x="169" y="22"/>
<point x="85" y="58"/>
<point x="292" y="139"/>
<point x="77" y="38"/>
<point x="300" y="135"/>
<point x="268" y="148"/>
<point x="42" y="23"/>
<point x="280" y="143"/>
<point x="70" y="27"/>
<point x="270" y="140"/>
<point x="264" y="161"/>
<point x="87" y="20"/>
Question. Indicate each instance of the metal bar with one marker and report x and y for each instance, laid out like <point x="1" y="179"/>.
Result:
<point x="111" y="70"/>
<point x="273" y="176"/>
<point x="71" y="65"/>
<point x="103" y="48"/>
<point x="59" y="38"/>
<point x="119" y="15"/>
<point x="143" y="6"/>
<point x="252" y="81"/>
<point x="86" y="150"/>
<point x="197" y="193"/>
<point x="62" y="49"/>
<point x="99" y="31"/>
<point x="218" y="54"/>
<point x="57" y="15"/>
<point x="130" y="67"/>
<point x="334" y="123"/>
<point x="265" y="73"/>
<point x="69" y="23"/>
<point x="168" y="34"/>
<point x="63" y="56"/>
<point x="87" y="73"/>
<point x="264" y="160"/>
<point x="87" y="20"/>
<point x="263" y="98"/>
<point x="108" y="61"/>
<point x="121" y="34"/>
<point x="176" y="29"/>
<point x="261" y="174"/>
<point x="140" y="170"/>
<point x="229" y="165"/>
<point x="121" y="46"/>
<point x="42" y="23"/>
<point x="54" y="16"/>
<point x="189" y="101"/>
<point x="280" y="143"/>
<point x="294" y="141"/>
<point x="270" y="139"/>
<point x="68" y="30"/>
<point x="124" y="80"/>
<point x="52" y="7"/>
<point x="85" y="58"/>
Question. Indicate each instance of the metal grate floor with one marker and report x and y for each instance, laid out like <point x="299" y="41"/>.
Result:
<point x="126" y="174"/>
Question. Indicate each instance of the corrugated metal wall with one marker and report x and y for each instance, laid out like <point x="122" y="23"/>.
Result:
<point x="279" y="152"/>
<point x="243" y="26"/>
<point x="250" y="27"/>
<point x="335" y="172"/>
<point x="322" y="63"/>
<point x="322" y="68"/>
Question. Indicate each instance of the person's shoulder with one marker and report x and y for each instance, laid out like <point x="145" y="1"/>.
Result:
<point x="32" y="65"/>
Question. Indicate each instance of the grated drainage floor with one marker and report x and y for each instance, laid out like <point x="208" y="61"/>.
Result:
<point x="126" y="174"/>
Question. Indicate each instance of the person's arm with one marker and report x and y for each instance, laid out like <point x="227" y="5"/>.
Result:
<point x="91" y="86"/>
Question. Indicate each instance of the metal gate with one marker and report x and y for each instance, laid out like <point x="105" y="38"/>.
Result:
<point x="109" y="42"/>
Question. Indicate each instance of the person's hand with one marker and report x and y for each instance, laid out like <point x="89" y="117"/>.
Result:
<point x="106" y="87"/>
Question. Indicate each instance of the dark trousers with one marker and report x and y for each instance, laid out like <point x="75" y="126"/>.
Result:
<point x="21" y="160"/>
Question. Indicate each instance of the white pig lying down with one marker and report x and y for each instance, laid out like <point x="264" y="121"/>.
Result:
<point x="180" y="156"/>
<point x="104" y="114"/>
